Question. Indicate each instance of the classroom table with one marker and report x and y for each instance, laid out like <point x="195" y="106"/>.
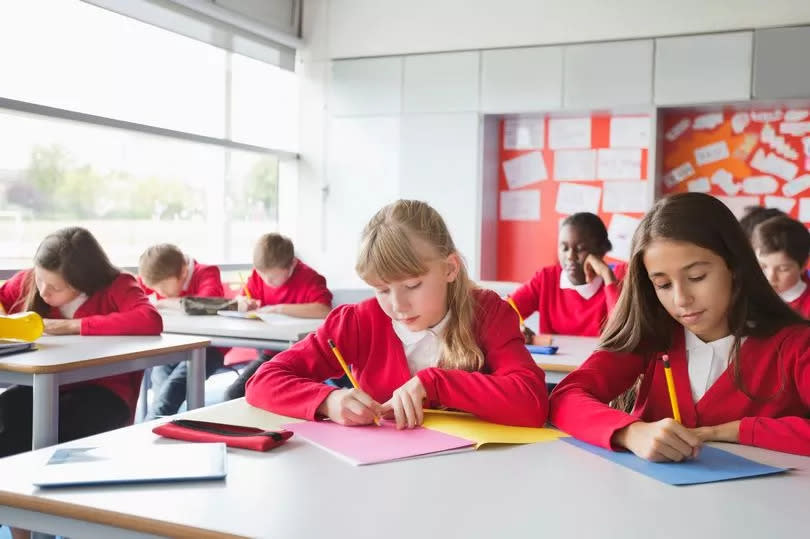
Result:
<point x="240" y="332"/>
<point x="300" y="491"/>
<point x="66" y="359"/>
<point x="573" y="351"/>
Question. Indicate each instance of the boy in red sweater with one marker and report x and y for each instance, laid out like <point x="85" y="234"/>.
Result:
<point x="429" y="338"/>
<point x="76" y="289"/>
<point x="782" y="246"/>
<point x="279" y="283"/>
<point x="740" y="356"/>
<point x="165" y="271"/>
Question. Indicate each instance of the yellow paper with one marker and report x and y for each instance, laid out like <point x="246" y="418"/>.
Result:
<point x="482" y="432"/>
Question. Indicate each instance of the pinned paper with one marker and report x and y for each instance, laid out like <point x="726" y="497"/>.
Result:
<point x="796" y="115"/>
<point x="523" y="134"/>
<point x="624" y="197"/>
<point x="711" y="153"/>
<point x="521" y="205"/>
<point x="797" y="129"/>
<point x="575" y="165"/>
<point x="679" y="174"/>
<point x="708" y="121"/>
<point x="525" y="169"/>
<point x="804" y="210"/>
<point x="618" y="164"/>
<point x="766" y="116"/>
<point x="760" y="185"/>
<point x="723" y="179"/>
<point x="620" y="233"/>
<point x="742" y="151"/>
<point x="780" y="203"/>
<point x="773" y="164"/>
<point x="737" y="205"/>
<point x="677" y="130"/>
<point x="629" y="132"/>
<point x="699" y="185"/>
<point x="806" y="144"/>
<point x="569" y="133"/>
<point x="777" y="142"/>
<point x="574" y="197"/>
<point x="740" y="121"/>
<point x="796" y="186"/>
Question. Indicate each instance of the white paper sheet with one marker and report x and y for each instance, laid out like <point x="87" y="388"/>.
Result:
<point x="629" y="132"/>
<point x="679" y="174"/>
<point x="708" y="121"/>
<point x="796" y="186"/>
<point x="574" y="165"/>
<point x="523" y="134"/>
<point x="796" y="115"/>
<point x="699" y="185"/>
<point x="624" y="197"/>
<point x="804" y="210"/>
<point x="565" y="133"/>
<point x="620" y="233"/>
<point x="737" y="205"/>
<point x="766" y="115"/>
<point x="777" y="142"/>
<point x="797" y="129"/>
<point x="740" y="121"/>
<point x="780" y="203"/>
<point x="678" y="129"/>
<point x="522" y="205"/>
<point x="773" y="164"/>
<point x="760" y="185"/>
<point x="525" y="169"/>
<point x="806" y="144"/>
<point x="716" y="151"/>
<point x="613" y="164"/>
<point x="723" y="179"/>
<point x="575" y="197"/>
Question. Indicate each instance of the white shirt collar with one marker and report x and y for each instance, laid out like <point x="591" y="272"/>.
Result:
<point x="69" y="309"/>
<point x="409" y="337"/>
<point x="586" y="290"/>
<point x="190" y="265"/>
<point x="794" y="292"/>
<point x="706" y="361"/>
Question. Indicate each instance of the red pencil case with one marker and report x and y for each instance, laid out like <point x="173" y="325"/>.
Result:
<point x="231" y="435"/>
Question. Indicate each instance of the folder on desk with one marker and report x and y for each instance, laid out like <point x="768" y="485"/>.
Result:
<point x="74" y="466"/>
<point x="14" y="346"/>
<point x="251" y="315"/>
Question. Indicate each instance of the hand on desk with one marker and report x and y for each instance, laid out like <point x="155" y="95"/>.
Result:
<point x="55" y="326"/>
<point x="405" y="405"/>
<point x="244" y="304"/>
<point x="662" y="441"/>
<point x="726" y="432"/>
<point x="350" y="407"/>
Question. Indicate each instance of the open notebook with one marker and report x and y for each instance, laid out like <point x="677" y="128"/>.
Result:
<point x="73" y="466"/>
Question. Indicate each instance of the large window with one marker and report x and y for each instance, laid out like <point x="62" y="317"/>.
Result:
<point x="130" y="187"/>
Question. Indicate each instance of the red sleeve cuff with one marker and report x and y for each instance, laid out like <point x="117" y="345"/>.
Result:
<point x="312" y="412"/>
<point x="746" y="434"/>
<point x="607" y="443"/>
<point x="429" y="383"/>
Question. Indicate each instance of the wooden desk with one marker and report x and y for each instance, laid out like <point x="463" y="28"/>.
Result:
<point x="299" y="491"/>
<point x="73" y="358"/>
<point x="572" y="353"/>
<point x="241" y="332"/>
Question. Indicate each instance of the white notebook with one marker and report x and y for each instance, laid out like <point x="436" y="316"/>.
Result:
<point x="73" y="466"/>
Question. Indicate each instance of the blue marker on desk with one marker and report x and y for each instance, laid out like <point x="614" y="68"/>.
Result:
<point x="547" y="350"/>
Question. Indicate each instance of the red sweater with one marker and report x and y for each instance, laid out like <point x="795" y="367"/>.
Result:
<point x="578" y="404"/>
<point x="564" y="311"/>
<point x="205" y="281"/>
<point x="305" y="285"/>
<point x="120" y="309"/>
<point x="802" y="304"/>
<point x="510" y="390"/>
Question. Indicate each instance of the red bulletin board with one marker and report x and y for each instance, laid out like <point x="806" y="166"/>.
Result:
<point x="527" y="244"/>
<point x="744" y="157"/>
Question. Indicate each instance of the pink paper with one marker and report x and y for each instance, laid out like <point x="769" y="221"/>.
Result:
<point x="372" y="444"/>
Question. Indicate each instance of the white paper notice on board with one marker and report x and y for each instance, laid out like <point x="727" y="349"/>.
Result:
<point x="773" y="164"/>
<point x="523" y="134"/>
<point x="620" y="233"/>
<point x="699" y="185"/>
<point x="796" y="186"/>
<point x="708" y="121"/>
<point x="780" y="203"/>
<point x="525" y="169"/>
<point x="678" y="129"/>
<point x="760" y="185"/>
<point x="737" y="205"/>
<point x="716" y="151"/>
<point x="613" y="164"/>
<point x="804" y="210"/>
<point x="740" y="121"/>
<point x="566" y="133"/>
<point x="624" y="197"/>
<point x="574" y="197"/>
<point x="522" y="205"/>
<point x="679" y="174"/>
<point x="575" y="165"/>
<point x="629" y="132"/>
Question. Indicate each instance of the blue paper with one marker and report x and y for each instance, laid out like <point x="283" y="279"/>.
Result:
<point x="537" y="349"/>
<point x="712" y="465"/>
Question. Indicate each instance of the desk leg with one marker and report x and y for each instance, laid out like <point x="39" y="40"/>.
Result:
<point x="46" y="411"/>
<point x="195" y="379"/>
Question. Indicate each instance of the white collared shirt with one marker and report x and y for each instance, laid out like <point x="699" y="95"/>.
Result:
<point x="586" y="290"/>
<point x="190" y="265"/>
<point x="706" y="361"/>
<point x="422" y="348"/>
<point x="70" y="308"/>
<point x="794" y="292"/>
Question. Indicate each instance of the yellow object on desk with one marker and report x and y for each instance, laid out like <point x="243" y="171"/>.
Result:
<point x="27" y="326"/>
<point x="483" y="432"/>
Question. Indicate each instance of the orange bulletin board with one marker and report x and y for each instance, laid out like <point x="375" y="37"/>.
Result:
<point x="552" y="167"/>
<point x="744" y="157"/>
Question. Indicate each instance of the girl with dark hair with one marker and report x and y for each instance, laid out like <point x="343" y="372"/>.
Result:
<point x="76" y="290"/>
<point x="740" y="356"/>
<point x="575" y="296"/>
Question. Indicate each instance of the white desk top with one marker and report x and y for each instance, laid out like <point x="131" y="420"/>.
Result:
<point x="67" y="352"/>
<point x="572" y="353"/>
<point x="547" y="489"/>
<point x="222" y="326"/>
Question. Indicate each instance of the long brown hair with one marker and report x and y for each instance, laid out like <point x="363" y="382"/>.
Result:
<point x="640" y="324"/>
<point x="387" y="254"/>
<point x="75" y="254"/>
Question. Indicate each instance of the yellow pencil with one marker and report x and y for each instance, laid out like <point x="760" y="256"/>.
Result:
<point x="244" y="286"/>
<point x="346" y="369"/>
<point x="511" y="302"/>
<point x="673" y="397"/>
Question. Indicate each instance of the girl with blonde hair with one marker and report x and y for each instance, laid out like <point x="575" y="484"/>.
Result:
<point x="429" y="338"/>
